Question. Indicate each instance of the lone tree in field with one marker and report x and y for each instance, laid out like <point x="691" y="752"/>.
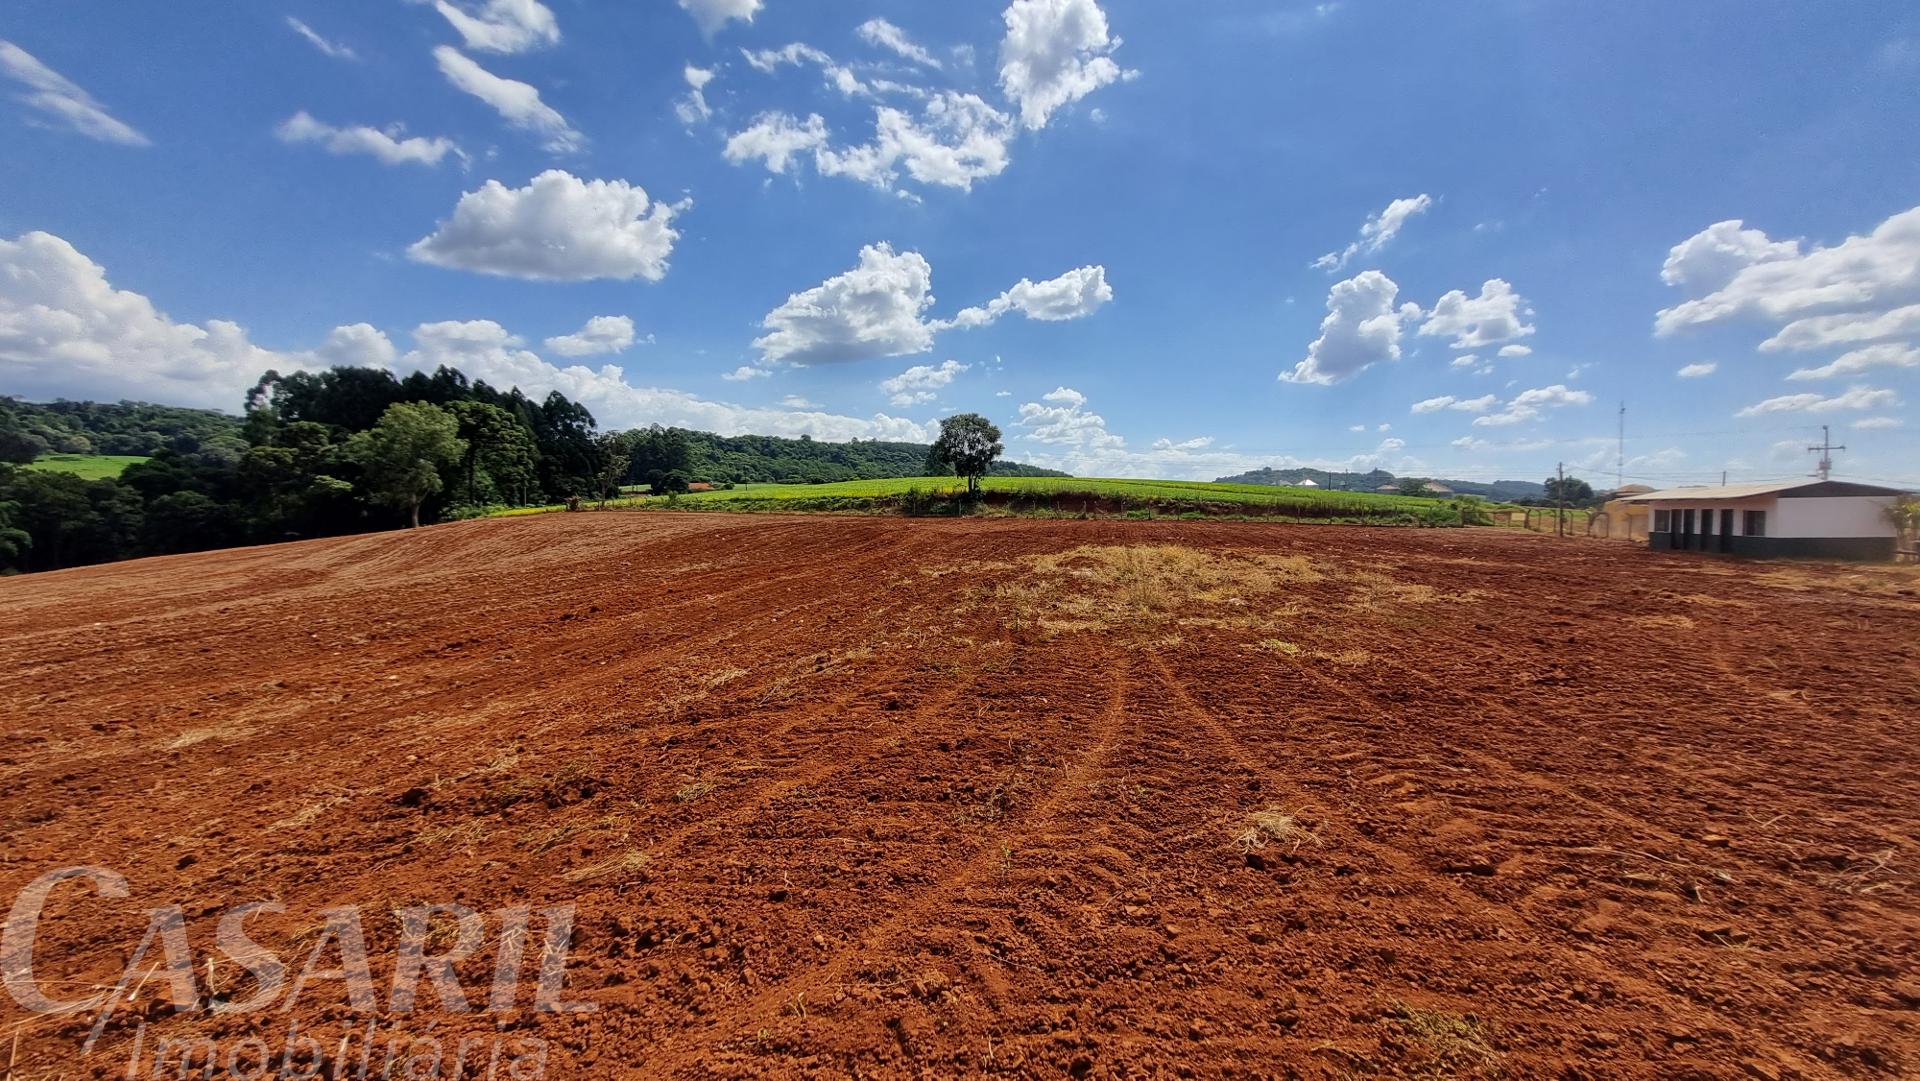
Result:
<point x="969" y="443"/>
<point x="405" y="452"/>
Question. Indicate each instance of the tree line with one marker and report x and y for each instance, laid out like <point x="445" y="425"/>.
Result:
<point x="349" y="450"/>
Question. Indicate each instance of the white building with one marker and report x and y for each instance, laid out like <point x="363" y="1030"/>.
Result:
<point x="1809" y="519"/>
<point x="1308" y="482"/>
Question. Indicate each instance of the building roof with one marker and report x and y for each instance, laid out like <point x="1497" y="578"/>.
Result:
<point x="1807" y="487"/>
<point x="1309" y="482"/>
<point x="1626" y="490"/>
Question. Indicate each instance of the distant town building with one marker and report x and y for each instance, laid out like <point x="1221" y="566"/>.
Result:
<point x="1811" y="519"/>
<point x="1308" y="482"/>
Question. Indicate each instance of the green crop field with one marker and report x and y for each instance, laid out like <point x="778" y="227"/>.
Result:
<point x="89" y="466"/>
<point x="1063" y="496"/>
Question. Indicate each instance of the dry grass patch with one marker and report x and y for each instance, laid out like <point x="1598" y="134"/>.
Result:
<point x="721" y="678"/>
<point x="1677" y="622"/>
<point x="1096" y="587"/>
<point x="469" y="835"/>
<point x="195" y="736"/>
<point x="691" y="791"/>
<point x="1896" y="584"/>
<point x="1707" y="601"/>
<point x="1274" y="826"/>
<point x="1455" y="1044"/>
<point x="625" y="864"/>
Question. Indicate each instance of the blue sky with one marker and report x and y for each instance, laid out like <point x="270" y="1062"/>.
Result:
<point x="1148" y="239"/>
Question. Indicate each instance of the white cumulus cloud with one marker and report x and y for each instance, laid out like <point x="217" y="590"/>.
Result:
<point x="485" y="350"/>
<point x="838" y="76"/>
<point x="878" y="309"/>
<point x="954" y="140"/>
<point x="1886" y="355"/>
<point x="1361" y="329"/>
<point x="1061" y="417"/>
<point x="1448" y="401"/>
<point x="1055" y="52"/>
<point x="65" y="331"/>
<point x="920" y="383"/>
<point x="692" y="107"/>
<point x="1532" y="404"/>
<point x="1787" y="281"/>
<point x="1715" y="255"/>
<point x="1377" y="231"/>
<point x="873" y="310"/>
<point x="61" y="100"/>
<point x="1498" y="314"/>
<point x="1699" y="370"/>
<point x="557" y="228"/>
<point x="714" y="14"/>
<point x="1077" y="293"/>
<point x="1861" y="398"/>
<point x="502" y="26"/>
<point x="1851" y="328"/>
<point x="517" y="103"/>
<point x="601" y="334"/>
<point x="885" y="35"/>
<point x="394" y="146"/>
<point x="775" y="139"/>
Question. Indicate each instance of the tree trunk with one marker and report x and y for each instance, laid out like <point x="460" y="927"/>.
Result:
<point x="416" y="514"/>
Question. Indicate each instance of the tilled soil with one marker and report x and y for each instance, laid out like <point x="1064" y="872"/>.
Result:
<point x="877" y="797"/>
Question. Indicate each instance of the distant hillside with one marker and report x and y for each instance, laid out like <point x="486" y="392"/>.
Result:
<point x="1374" y="479"/>
<point x="746" y="459"/>
<point x="1347" y="482"/>
<point x="29" y="430"/>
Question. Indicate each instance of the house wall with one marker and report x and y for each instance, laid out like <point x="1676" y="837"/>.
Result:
<point x="1832" y="516"/>
<point x="1765" y="503"/>
<point x="1838" y="527"/>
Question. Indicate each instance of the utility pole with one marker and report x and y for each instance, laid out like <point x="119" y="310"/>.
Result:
<point x="1826" y="448"/>
<point x="1620" y="464"/>
<point x="1560" y="503"/>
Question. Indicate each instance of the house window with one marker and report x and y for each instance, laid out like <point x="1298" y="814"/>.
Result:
<point x="1686" y="520"/>
<point x="1754" y="524"/>
<point x="1663" y="521"/>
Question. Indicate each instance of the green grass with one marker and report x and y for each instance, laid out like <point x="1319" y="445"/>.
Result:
<point x="87" y="466"/>
<point x="1066" y="496"/>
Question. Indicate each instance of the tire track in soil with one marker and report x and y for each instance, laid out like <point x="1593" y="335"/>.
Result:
<point x="665" y="1055"/>
<point x="1636" y="824"/>
<point x="509" y="688"/>
<point x="82" y="668"/>
<point x="1789" y="894"/>
<point x="1847" y="956"/>
<point x="845" y="759"/>
<point x="1515" y="924"/>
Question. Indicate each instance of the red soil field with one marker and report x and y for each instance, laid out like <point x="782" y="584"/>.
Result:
<point x="844" y="796"/>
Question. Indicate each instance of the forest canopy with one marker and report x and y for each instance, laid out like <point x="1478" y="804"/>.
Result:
<point x="346" y="450"/>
